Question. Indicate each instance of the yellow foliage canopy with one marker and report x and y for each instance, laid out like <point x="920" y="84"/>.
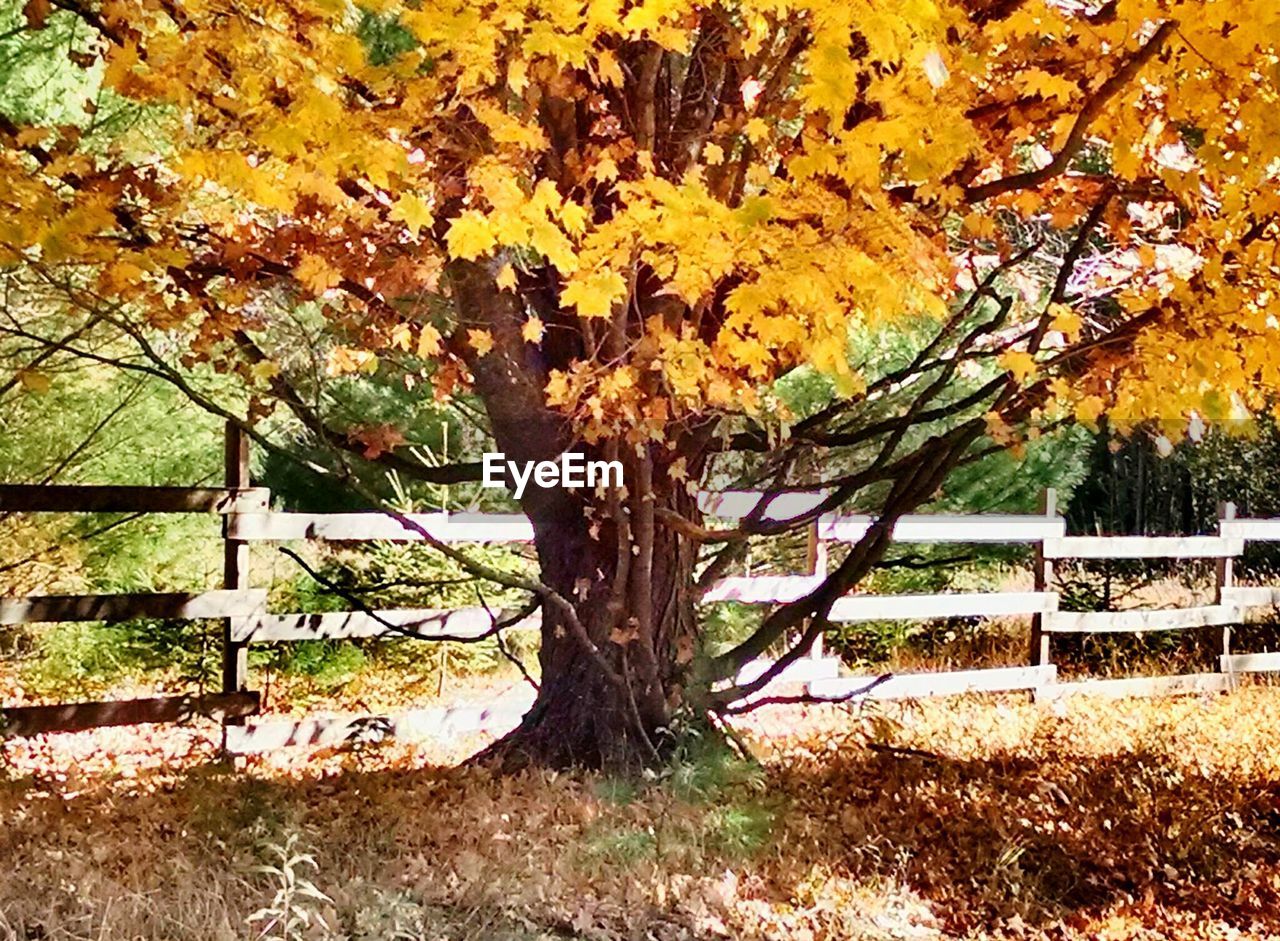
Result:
<point x="709" y="194"/>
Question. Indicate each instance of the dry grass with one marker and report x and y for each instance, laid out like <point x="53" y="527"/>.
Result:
<point x="978" y="817"/>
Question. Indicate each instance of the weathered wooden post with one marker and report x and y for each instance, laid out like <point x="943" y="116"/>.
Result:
<point x="235" y="561"/>
<point x="816" y="563"/>
<point x="1043" y="574"/>
<point x="1223" y="578"/>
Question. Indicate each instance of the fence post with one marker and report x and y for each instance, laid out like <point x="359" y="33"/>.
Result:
<point x="235" y="560"/>
<point x="1043" y="573"/>
<point x="1224" y="574"/>
<point x="816" y="562"/>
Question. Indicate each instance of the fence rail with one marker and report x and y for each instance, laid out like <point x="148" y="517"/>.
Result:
<point x="79" y="717"/>
<point x="61" y="498"/>
<point x="365" y="527"/>
<point x="1140" y="622"/>
<point x="427" y="623"/>
<point x="181" y="605"/>
<point x="1142" y="547"/>
<point x="945" y="605"/>
<point x="246" y="620"/>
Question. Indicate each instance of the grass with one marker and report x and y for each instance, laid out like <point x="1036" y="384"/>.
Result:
<point x="971" y="818"/>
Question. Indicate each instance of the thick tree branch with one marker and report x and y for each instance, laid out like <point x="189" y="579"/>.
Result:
<point x="1092" y="108"/>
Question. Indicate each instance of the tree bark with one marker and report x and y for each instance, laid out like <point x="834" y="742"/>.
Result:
<point x="613" y="666"/>
<point x="640" y="621"/>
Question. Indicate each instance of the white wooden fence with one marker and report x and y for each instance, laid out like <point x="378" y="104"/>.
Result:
<point x="246" y="621"/>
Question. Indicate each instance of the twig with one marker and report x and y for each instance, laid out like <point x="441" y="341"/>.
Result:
<point x="803" y="700"/>
<point x="502" y="648"/>
<point x="363" y="608"/>
<point x="904" y="752"/>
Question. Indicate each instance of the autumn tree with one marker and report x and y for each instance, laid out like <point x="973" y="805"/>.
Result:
<point x="625" y="227"/>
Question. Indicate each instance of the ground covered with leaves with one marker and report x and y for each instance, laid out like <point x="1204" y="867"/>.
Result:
<point x="973" y="818"/>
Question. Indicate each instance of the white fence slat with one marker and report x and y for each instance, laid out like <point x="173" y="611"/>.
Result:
<point x="1254" y="530"/>
<point x="762" y="589"/>
<point x="1142" y="547"/>
<point x="924" y="607"/>
<point x="1251" y="596"/>
<point x="1250" y="663"/>
<point x="948" y="527"/>
<point x="432" y="722"/>
<point x="446" y="527"/>
<point x="453" y="622"/>
<point x="1137" y="622"/>
<point x="920" y="685"/>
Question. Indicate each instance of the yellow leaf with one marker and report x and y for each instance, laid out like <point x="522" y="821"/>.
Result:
<point x="344" y="359"/>
<point x="1065" y="321"/>
<point x="470" y="235"/>
<point x="121" y="275"/>
<point x="518" y="76"/>
<point x="316" y="274"/>
<point x="549" y="240"/>
<point x="481" y="341"/>
<point x="428" y="341"/>
<point x="506" y="278"/>
<point x="413" y="211"/>
<point x="1019" y="362"/>
<point x="533" y="330"/>
<point x="605" y="170"/>
<point x="1042" y="83"/>
<point x="557" y="390"/>
<point x="401" y="336"/>
<point x="713" y="154"/>
<point x="573" y="217"/>
<point x="1088" y="409"/>
<point x="594" y="294"/>
<point x="980" y="226"/>
<point x="608" y="68"/>
<point x="120" y="64"/>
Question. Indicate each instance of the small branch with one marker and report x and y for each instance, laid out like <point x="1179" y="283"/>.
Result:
<point x="516" y="662"/>
<point x="502" y="649"/>
<point x="738" y="709"/>
<point x="917" y="562"/>
<point x="903" y="751"/>
<point x="311" y="420"/>
<point x="331" y="586"/>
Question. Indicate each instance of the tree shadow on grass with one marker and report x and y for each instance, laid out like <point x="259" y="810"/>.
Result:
<point x="1004" y="840"/>
<point x="1048" y="842"/>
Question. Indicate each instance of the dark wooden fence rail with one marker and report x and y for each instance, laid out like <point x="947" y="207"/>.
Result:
<point x="247" y="518"/>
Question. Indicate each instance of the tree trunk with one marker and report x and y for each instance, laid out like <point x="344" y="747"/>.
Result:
<point x="614" y="662"/>
<point x="620" y="632"/>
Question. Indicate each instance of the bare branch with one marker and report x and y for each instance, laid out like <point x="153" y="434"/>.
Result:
<point x="499" y="624"/>
<point x="750" y="705"/>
